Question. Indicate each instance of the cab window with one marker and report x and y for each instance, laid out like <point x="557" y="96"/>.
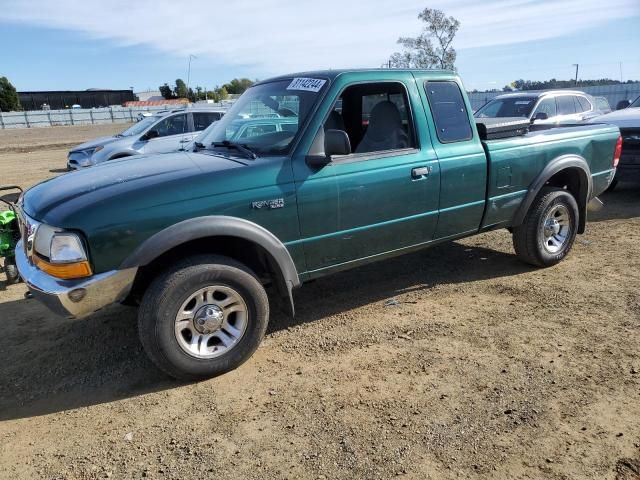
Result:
<point x="257" y="130"/>
<point x="202" y="120"/>
<point x="173" y="125"/>
<point x="375" y="116"/>
<point x="583" y="104"/>
<point x="548" y="106"/>
<point x="566" y="105"/>
<point x="449" y="111"/>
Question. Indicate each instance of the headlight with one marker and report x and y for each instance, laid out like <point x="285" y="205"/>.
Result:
<point x="66" y="248"/>
<point x="60" y="253"/>
<point x="97" y="149"/>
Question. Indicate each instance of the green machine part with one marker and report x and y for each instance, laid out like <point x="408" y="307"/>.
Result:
<point x="7" y="233"/>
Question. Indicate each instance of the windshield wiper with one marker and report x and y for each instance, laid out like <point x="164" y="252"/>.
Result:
<point x="241" y="148"/>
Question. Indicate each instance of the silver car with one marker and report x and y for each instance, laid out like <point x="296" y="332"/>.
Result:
<point x="165" y="132"/>
<point x="542" y="108"/>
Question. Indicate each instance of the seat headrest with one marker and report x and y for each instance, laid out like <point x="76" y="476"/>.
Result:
<point x="385" y="118"/>
<point x="334" y="122"/>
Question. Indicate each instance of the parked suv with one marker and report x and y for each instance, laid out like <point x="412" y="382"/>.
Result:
<point x="551" y="107"/>
<point x="161" y="133"/>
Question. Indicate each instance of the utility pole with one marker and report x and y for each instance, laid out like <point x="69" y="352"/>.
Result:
<point x="620" y="65"/>
<point x="577" y="66"/>
<point x="189" y="72"/>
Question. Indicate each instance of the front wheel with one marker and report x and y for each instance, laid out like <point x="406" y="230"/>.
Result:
<point x="204" y="317"/>
<point x="549" y="228"/>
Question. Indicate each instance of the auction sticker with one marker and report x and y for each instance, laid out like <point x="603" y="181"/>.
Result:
<point x="306" y="84"/>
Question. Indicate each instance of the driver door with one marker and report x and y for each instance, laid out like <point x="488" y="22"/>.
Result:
<point x="384" y="195"/>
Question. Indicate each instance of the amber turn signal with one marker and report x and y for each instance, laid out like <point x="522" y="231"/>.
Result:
<point x="65" y="271"/>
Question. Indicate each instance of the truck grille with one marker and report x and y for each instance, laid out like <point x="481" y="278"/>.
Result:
<point x="28" y="229"/>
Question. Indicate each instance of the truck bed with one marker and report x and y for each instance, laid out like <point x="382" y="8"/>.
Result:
<point x="511" y="162"/>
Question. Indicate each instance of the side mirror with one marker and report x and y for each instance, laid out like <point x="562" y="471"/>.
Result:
<point x="326" y="144"/>
<point x="336" y="142"/>
<point x="151" y="134"/>
<point x="540" y="116"/>
<point x="622" y="104"/>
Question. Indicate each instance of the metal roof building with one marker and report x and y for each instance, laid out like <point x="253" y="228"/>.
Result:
<point x="58" y="100"/>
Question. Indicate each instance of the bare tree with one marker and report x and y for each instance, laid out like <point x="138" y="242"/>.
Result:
<point x="420" y="52"/>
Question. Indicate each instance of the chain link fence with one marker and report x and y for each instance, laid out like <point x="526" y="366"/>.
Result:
<point x="80" y="116"/>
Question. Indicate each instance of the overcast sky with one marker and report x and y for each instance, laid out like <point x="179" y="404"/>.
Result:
<point x="143" y="43"/>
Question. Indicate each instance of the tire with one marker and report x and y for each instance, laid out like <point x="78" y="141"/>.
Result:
<point x="231" y="307"/>
<point x="543" y="247"/>
<point x="11" y="272"/>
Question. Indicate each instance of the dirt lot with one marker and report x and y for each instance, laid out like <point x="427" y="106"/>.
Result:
<point x="455" y="362"/>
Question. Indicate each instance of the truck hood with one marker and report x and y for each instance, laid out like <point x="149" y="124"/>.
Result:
<point x="94" y="143"/>
<point x="54" y="200"/>
<point x="627" y="117"/>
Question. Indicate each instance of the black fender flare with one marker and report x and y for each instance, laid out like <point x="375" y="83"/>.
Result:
<point x="556" y="165"/>
<point x="212" y="226"/>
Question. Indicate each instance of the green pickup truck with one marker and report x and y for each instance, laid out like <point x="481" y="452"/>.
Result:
<point x="371" y="164"/>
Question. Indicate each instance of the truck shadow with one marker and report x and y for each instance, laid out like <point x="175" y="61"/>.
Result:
<point x="49" y="364"/>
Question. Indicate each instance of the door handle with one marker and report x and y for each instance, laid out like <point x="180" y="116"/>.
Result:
<point x="420" y="172"/>
<point x="186" y="140"/>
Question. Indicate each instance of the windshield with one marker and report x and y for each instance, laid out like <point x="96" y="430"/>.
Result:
<point x="635" y="104"/>
<point x="507" y="107"/>
<point x="267" y="117"/>
<point x="140" y="127"/>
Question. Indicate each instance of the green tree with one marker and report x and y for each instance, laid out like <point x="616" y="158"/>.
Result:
<point x="553" y="83"/>
<point x="166" y="91"/>
<point x="238" y="85"/>
<point x="432" y="48"/>
<point x="181" y="90"/>
<point x="9" y="100"/>
<point x="219" y="93"/>
<point x="222" y="93"/>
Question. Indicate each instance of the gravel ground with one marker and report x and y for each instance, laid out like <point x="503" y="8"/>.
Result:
<point x="28" y="139"/>
<point x="454" y="362"/>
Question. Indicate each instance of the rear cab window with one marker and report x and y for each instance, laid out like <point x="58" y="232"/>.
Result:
<point x="584" y="104"/>
<point x="603" y="104"/>
<point x="201" y="120"/>
<point x="566" y="105"/>
<point x="449" y="111"/>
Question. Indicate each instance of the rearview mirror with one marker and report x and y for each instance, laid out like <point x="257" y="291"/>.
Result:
<point x="540" y="116"/>
<point x="151" y="134"/>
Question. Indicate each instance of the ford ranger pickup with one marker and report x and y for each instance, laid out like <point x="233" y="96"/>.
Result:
<point x="367" y="164"/>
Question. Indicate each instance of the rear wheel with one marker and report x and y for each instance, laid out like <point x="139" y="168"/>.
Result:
<point x="549" y="228"/>
<point x="202" y="318"/>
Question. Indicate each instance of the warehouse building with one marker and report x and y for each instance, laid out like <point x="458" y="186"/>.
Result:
<point x="91" y="98"/>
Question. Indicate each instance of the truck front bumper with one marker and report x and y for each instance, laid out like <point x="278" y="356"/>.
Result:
<point x="75" y="298"/>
